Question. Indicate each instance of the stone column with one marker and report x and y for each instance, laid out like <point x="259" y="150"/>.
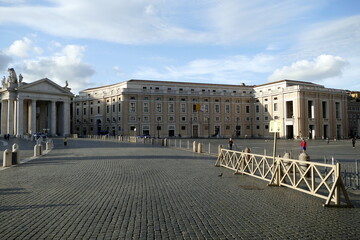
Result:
<point x="10" y="117"/>
<point x="4" y="111"/>
<point x="33" y="117"/>
<point x="53" y="118"/>
<point x="66" y="118"/>
<point x="20" y="117"/>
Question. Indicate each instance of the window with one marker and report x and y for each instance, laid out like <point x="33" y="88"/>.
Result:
<point x="337" y="110"/>
<point x="324" y="109"/>
<point x="91" y="111"/>
<point x="217" y="108"/>
<point x="113" y="107"/>
<point x="132" y="107"/>
<point x="275" y="107"/>
<point x="119" y="107"/>
<point x="98" y="109"/>
<point x="146" y="107"/>
<point x="257" y="108"/>
<point x="77" y="111"/>
<point x="171" y="107"/>
<point x="183" y="108"/>
<point x="206" y="108"/>
<point x="247" y="109"/>
<point x="183" y="127"/>
<point x="84" y="111"/>
<point x="107" y="109"/>
<point x="266" y="108"/>
<point x="158" y="107"/>
<point x="227" y="108"/>
<point x="238" y="108"/>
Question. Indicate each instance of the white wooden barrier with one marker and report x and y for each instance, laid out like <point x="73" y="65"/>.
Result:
<point x="317" y="179"/>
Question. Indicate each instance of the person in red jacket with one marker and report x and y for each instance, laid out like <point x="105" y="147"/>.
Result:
<point x="303" y="145"/>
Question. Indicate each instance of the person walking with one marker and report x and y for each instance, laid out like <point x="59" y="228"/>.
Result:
<point x="65" y="141"/>
<point x="353" y="140"/>
<point x="303" y="145"/>
<point x="230" y="143"/>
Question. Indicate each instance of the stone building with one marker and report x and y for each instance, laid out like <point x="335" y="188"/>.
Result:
<point x="167" y="109"/>
<point x="28" y="108"/>
<point x="305" y="109"/>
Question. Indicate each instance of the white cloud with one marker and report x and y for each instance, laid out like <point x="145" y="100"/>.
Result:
<point x="138" y="22"/>
<point x="246" y="21"/>
<point x="322" y="67"/>
<point x="230" y="69"/>
<point x="336" y="37"/>
<point x="66" y="65"/>
<point x="23" y="48"/>
<point x="20" y="48"/>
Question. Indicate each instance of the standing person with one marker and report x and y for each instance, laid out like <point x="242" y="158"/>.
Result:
<point x="303" y="145"/>
<point x="230" y="143"/>
<point x="353" y="140"/>
<point x="65" y="141"/>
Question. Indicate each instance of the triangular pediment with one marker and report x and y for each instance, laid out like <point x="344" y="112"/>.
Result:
<point x="44" y="86"/>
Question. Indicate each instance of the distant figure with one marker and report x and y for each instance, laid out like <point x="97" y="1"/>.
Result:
<point x="327" y="140"/>
<point x="303" y="145"/>
<point x="65" y="141"/>
<point x="230" y="143"/>
<point x="353" y="140"/>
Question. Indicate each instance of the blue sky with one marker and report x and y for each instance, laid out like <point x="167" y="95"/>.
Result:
<point x="95" y="43"/>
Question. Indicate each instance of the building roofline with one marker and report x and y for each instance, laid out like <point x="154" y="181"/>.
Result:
<point x="288" y="80"/>
<point x="170" y="82"/>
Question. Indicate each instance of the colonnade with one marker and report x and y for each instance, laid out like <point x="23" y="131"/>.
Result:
<point x="27" y="116"/>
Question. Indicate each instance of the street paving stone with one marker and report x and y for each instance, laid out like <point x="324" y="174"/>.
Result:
<point x="109" y="190"/>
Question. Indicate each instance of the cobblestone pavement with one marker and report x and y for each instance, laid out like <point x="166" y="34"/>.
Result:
<point x="108" y="190"/>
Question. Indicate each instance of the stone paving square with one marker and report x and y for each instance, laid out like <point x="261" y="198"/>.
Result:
<point x="110" y="190"/>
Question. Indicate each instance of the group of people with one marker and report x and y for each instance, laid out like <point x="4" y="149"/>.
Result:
<point x="6" y="136"/>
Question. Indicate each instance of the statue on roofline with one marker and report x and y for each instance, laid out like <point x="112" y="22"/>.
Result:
<point x="12" y="75"/>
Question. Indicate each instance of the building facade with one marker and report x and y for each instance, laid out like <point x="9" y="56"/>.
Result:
<point x="28" y="108"/>
<point x="169" y="109"/>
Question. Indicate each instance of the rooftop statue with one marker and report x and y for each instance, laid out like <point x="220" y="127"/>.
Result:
<point x="20" y="78"/>
<point x="12" y="75"/>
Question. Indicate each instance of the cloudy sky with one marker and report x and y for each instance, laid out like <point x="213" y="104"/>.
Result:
<point x="95" y="43"/>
